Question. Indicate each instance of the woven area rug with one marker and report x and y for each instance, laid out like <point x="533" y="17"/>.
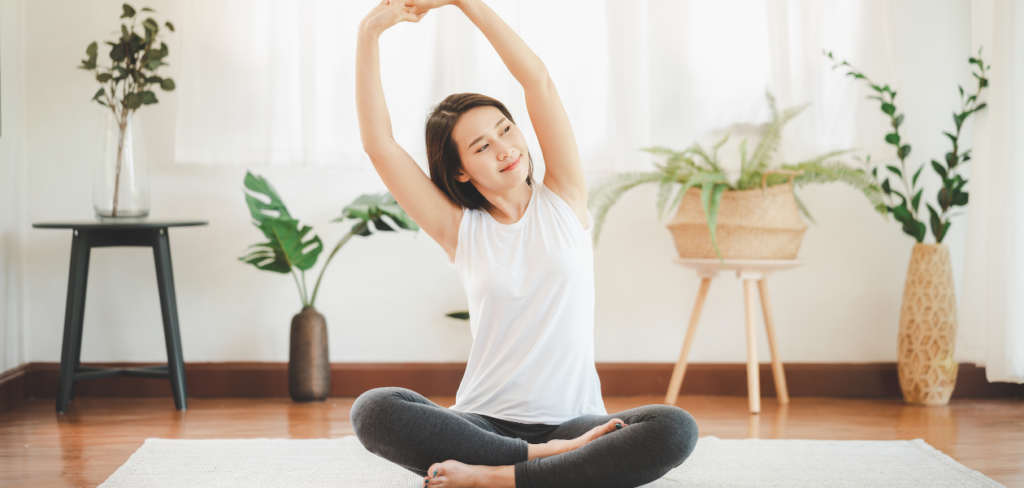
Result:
<point x="715" y="463"/>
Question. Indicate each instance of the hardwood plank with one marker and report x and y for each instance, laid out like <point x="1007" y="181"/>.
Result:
<point x="83" y="447"/>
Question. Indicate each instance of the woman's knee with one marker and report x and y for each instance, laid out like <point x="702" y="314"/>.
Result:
<point x="372" y="405"/>
<point x="679" y="433"/>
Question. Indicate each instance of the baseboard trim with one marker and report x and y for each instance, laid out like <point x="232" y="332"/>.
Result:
<point x="15" y="387"/>
<point x="266" y="379"/>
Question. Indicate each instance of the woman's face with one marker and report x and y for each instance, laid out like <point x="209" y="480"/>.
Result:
<point x="493" y="151"/>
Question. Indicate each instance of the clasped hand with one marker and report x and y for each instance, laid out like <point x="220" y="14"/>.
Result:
<point x="390" y="12"/>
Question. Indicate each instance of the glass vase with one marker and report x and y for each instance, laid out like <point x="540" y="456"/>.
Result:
<point x="120" y="184"/>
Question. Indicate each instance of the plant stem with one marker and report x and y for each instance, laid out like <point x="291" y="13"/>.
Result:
<point x="338" y="246"/>
<point x="302" y="296"/>
<point x="122" y="127"/>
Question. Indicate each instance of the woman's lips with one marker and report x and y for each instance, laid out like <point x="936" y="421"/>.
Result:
<point x="513" y="165"/>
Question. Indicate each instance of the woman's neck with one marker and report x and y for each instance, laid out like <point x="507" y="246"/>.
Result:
<point x="509" y="206"/>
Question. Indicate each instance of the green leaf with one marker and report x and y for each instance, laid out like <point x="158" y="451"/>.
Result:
<point x="904" y="151"/>
<point x="951" y="137"/>
<point x="888" y="108"/>
<point x="380" y="224"/>
<point x="980" y="106"/>
<point x="118" y="53"/>
<point x="288" y="247"/>
<point x="711" y="197"/>
<point x="459" y="315"/>
<point x="899" y="121"/>
<point x="170" y="26"/>
<point x="885" y="187"/>
<point x="939" y="169"/>
<point x="129" y="12"/>
<point x="299" y="252"/>
<point x="960" y="199"/>
<point x="263" y="211"/>
<point x="98" y="94"/>
<point x="167" y="84"/>
<point x="147" y="9"/>
<point x="902" y="214"/>
<point x="916" y="201"/>
<point x="361" y="229"/>
<point x="91" y="50"/>
<point x="895" y="170"/>
<point x="103" y="77"/>
<point x="148" y="98"/>
<point x="951" y="160"/>
<point x="370" y="207"/>
<point x="151" y="24"/>
<point x="133" y="100"/>
<point x="936" y="223"/>
<point x="893" y="139"/>
<point x="913" y="181"/>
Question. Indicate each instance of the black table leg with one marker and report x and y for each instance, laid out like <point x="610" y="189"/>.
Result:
<point x="169" y="307"/>
<point x="74" y="314"/>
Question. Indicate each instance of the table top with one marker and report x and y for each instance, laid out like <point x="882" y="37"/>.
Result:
<point x="128" y="224"/>
<point x="744" y="268"/>
<point x="740" y="264"/>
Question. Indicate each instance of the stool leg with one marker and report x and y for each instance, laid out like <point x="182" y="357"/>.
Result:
<point x="753" y="379"/>
<point x="169" y="309"/>
<point x="769" y="323"/>
<point x="74" y="314"/>
<point x="680" y="369"/>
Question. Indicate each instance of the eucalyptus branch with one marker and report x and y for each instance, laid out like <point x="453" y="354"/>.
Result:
<point x="133" y="67"/>
<point x="952" y="193"/>
<point x="907" y="211"/>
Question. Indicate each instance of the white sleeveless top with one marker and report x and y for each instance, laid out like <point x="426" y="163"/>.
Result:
<point x="531" y="311"/>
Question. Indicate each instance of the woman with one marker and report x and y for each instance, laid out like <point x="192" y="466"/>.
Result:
<point x="528" y="412"/>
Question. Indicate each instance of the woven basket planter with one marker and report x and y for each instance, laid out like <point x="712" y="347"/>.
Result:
<point x="752" y="224"/>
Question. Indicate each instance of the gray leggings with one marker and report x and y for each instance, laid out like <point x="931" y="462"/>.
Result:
<point x="413" y="432"/>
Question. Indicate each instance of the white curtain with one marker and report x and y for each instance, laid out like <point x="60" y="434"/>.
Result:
<point x="271" y="81"/>
<point x="991" y="326"/>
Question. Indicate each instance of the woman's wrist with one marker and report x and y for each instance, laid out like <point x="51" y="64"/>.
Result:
<point x="368" y="30"/>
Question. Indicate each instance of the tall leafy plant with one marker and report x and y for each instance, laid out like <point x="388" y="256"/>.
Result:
<point x="702" y="168"/>
<point x="127" y="83"/>
<point x="906" y="209"/>
<point x="291" y="246"/>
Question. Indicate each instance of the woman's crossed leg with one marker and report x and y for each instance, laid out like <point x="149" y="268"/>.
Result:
<point x="415" y="433"/>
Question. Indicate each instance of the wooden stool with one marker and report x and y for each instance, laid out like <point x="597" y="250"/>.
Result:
<point x="750" y="271"/>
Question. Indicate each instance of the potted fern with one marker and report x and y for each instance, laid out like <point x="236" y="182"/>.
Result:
<point x="755" y="216"/>
<point x="290" y="247"/>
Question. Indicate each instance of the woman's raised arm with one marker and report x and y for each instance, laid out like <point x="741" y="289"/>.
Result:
<point x="432" y="210"/>
<point x="564" y="172"/>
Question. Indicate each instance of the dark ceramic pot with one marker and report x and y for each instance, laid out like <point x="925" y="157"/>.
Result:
<point x="309" y="368"/>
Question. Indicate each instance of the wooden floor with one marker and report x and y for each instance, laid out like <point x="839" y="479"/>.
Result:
<point x="83" y="447"/>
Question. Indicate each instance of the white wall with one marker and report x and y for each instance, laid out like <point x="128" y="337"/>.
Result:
<point x="385" y="297"/>
<point x="12" y="181"/>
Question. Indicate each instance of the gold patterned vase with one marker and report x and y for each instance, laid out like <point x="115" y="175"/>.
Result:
<point x="928" y="328"/>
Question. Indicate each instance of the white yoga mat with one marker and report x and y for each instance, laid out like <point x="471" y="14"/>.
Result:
<point x="714" y="463"/>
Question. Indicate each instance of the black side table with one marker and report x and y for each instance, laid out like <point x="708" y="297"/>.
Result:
<point x="90" y="234"/>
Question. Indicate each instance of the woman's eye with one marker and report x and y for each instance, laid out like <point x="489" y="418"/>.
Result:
<point x="482" y="147"/>
<point x="507" y="129"/>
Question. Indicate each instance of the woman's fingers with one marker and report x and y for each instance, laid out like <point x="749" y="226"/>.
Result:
<point x="414" y="18"/>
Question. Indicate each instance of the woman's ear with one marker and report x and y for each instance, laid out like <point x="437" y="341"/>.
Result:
<point x="461" y="177"/>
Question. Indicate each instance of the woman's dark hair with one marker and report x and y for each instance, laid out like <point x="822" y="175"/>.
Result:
<point x="443" y="154"/>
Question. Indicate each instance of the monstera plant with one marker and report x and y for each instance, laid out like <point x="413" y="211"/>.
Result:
<point x="293" y="248"/>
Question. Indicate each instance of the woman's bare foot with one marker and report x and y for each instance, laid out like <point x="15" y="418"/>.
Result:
<point x="558" y="446"/>
<point x="453" y="474"/>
